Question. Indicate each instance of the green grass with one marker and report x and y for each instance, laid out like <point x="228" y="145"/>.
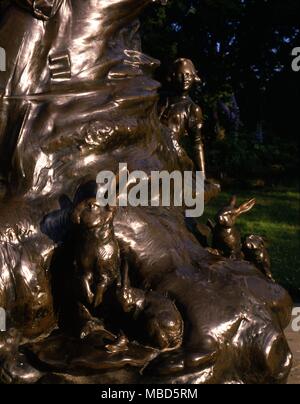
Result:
<point x="277" y="217"/>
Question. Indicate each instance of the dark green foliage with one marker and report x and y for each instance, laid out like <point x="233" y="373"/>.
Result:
<point x="246" y="160"/>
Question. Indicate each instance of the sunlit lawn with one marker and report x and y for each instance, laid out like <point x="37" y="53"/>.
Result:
<point x="277" y="217"/>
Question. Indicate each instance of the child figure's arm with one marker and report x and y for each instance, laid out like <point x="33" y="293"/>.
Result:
<point x="196" y="121"/>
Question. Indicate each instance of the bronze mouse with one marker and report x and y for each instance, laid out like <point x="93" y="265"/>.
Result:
<point x="97" y="253"/>
<point x="255" y="251"/>
<point x="226" y="237"/>
<point x="163" y="322"/>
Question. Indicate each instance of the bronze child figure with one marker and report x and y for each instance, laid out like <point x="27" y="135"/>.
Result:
<point x="183" y="117"/>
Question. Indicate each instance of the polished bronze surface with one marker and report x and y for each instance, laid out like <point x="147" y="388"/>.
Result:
<point x="77" y="98"/>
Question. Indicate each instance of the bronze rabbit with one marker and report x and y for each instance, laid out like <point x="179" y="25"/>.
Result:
<point x="226" y="237"/>
<point x="97" y="253"/>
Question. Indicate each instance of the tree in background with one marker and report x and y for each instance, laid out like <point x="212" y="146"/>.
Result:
<point x="242" y="48"/>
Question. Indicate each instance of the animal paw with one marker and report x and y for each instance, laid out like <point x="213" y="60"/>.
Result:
<point x="95" y="326"/>
<point x="183" y="360"/>
<point x="121" y="345"/>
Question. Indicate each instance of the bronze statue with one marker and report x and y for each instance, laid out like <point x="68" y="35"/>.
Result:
<point x="65" y="55"/>
<point x="183" y="117"/>
<point x="226" y="237"/>
<point x="78" y="98"/>
<point x="97" y="259"/>
<point x="228" y="242"/>
<point x="97" y="251"/>
<point x="158" y="314"/>
<point x="255" y="251"/>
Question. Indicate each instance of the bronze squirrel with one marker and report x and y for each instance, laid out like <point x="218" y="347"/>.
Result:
<point x="255" y="251"/>
<point x="161" y="317"/>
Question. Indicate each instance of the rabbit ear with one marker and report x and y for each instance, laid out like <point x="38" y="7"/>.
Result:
<point x="265" y="240"/>
<point x="76" y="214"/>
<point x="118" y="186"/>
<point x="233" y="202"/>
<point x="111" y="211"/>
<point x="126" y="282"/>
<point x="245" y="207"/>
<point x="211" y="224"/>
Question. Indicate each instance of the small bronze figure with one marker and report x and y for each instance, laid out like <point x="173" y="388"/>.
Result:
<point x="162" y="319"/>
<point x="97" y="253"/>
<point x="183" y="117"/>
<point x="226" y="237"/>
<point x="255" y="251"/>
